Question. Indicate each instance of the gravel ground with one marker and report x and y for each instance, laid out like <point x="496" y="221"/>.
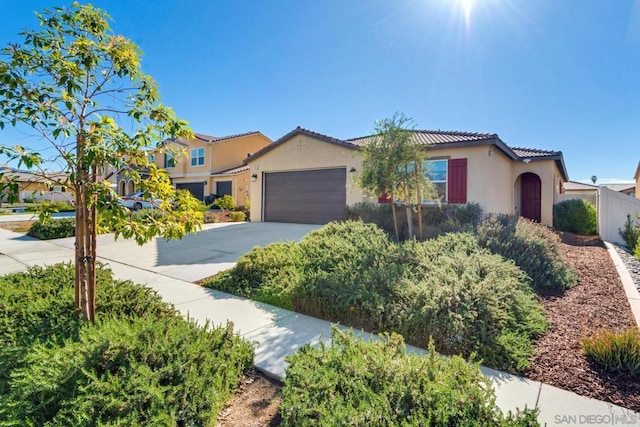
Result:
<point x="631" y="262"/>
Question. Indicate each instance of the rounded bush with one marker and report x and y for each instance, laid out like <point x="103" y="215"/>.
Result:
<point x="353" y="382"/>
<point x="468" y="301"/>
<point x="576" y="216"/>
<point x="533" y="247"/>
<point x="347" y="274"/>
<point x="53" y="229"/>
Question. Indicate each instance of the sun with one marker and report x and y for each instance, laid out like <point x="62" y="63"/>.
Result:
<point x="467" y="6"/>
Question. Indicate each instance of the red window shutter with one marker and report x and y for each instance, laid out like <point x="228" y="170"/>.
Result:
<point x="457" y="181"/>
<point x="384" y="198"/>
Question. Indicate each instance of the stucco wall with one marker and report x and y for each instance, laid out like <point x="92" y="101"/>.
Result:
<point x="488" y="172"/>
<point x="232" y="152"/>
<point x="550" y="178"/>
<point x="299" y="153"/>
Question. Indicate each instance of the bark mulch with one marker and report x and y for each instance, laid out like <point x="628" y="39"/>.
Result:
<point x="597" y="302"/>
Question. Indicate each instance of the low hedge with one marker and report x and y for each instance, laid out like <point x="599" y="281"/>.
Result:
<point x="353" y="382"/>
<point x="576" y="216"/>
<point x="141" y="363"/>
<point x="533" y="247"/>
<point x="450" y="289"/>
<point x="53" y="229"/>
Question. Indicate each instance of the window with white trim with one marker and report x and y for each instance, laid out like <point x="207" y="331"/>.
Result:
<point x="436" y="171"/>
<point x="169" y="160"/>
<point x="152" y="158"/>
<point x="197" y="156"/>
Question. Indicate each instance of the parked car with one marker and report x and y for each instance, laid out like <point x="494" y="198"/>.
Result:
<point x="135" y="201"/>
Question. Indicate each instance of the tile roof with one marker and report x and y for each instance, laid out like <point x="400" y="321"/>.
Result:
<point x="434" y="137"/>
<point x="232" y="171"/>
<point x="212" y="139"/>
<point x="533" y="152"/>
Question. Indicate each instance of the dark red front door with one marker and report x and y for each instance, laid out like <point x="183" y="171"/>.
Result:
<point x="531" y="196"/>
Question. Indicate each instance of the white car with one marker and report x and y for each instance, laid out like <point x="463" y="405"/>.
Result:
<point x="135" y="201"/>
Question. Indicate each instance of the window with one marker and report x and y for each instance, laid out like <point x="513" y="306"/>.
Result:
<point x="436" y="170"/>
<point x="169" y="161"/>
<point x="152" y="158"/>
<point x="197" y="156"/>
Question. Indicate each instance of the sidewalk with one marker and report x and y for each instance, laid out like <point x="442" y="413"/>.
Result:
<point x="280" y="332"/>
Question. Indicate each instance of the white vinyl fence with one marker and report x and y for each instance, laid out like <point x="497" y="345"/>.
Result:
<point x="613" y="208"/>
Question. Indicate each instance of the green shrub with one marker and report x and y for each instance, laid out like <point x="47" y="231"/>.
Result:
<point x="50" y="206"/>
<point x="615" y="351"/>
<point x="466" y="298"/>
<point x="534" y="248"/>
<point x="347" y="272"/>
<point x="53" y="229"/>
<point x="268" y="274"/>
<point x="237" y="216"/>
<point x="636" y="251"/>
<point x="352" y="382"/>
<point x="226" y="202"/>
<point x="576" y="216"/>
<point x="140" y="364"/>
<point x="630" y="233"/>
<point x="468" y="301"/>
<point x="436" y="220"/>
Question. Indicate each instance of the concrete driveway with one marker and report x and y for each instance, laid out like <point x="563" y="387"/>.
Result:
<point x="217" y="247"/>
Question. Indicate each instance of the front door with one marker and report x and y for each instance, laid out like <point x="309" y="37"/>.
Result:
<point x="531" y="196"/>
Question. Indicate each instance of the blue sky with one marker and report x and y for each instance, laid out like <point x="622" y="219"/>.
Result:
<point x="559" y="75"/>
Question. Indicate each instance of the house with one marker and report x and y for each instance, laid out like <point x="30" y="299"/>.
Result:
<point x="213" y="165"/>
<point x="309" y="177"/>
<point x="38" y="186"/>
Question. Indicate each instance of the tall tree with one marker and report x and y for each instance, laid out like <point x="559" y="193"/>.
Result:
<point x="81" y="89"/>
<point x="393" y="164"/>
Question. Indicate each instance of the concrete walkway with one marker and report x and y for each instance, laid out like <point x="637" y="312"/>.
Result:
<point x="169" y="268"/>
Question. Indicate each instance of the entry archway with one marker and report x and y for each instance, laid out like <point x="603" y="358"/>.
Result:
<point x="531" y="196"/>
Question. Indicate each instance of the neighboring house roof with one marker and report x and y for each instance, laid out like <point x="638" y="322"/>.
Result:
<point x="27" y="176"/>
<point x="620" y="187"/>
<point x="577" y="186"/>
<point x="213" y="139"/>
<point x="232" y="171"/>
<point x="433" y="138"/>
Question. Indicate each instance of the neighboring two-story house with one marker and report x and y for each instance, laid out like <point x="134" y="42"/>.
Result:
<point x="214" y="165"/>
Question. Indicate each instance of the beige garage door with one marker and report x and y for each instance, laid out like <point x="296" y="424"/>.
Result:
<point x="307" y="197"/>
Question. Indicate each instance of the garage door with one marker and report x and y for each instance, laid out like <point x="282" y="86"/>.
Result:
<point x="196" y="188"/>
<point x="308" y="197"/>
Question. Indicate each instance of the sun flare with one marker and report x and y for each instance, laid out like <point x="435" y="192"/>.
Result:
<point x="467" y="6"/>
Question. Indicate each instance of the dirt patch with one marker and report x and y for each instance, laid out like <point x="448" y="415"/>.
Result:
<point x="17" y="226"/>
<point x="597" y="302"/>
<point x="255" y="404"/>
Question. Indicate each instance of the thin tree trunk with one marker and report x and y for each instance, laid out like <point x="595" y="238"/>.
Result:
<point x="409" y="219"/>
<point x="85" y="240"/>
<point x="395" y="220"/>
<point x="418" y="169"/>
